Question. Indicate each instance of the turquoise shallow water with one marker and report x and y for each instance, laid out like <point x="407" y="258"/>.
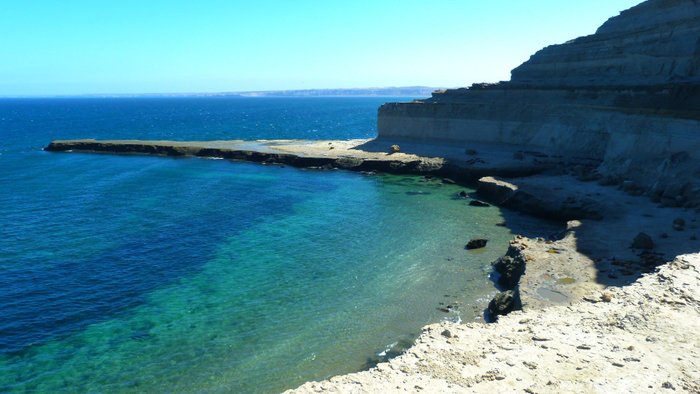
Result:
<point x="146" y="274"/>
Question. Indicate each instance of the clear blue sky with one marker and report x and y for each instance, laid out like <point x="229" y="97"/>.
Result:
<point x="158" y="46"/>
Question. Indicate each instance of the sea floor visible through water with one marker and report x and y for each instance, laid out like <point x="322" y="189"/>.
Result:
<point x="147" y="274"/>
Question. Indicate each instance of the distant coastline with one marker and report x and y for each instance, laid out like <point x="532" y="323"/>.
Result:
<point x="403" y="91"/>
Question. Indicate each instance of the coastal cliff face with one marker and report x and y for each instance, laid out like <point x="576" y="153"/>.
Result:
<point x="626" y="98"/>
<point x="654" y="43"/>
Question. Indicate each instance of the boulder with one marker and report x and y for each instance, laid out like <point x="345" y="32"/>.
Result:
<point x="643" y="241"/>
<point x="495" y="190"/>
<point x="394" y="149"/>
<point x="349" y="162"/>
<point x="510" y="270"/>
<point x="502" y="304"/>
<point x="476" y="244"/>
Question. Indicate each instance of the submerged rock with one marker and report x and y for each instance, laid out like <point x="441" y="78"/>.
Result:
<point x="502" y="304"/>
<point x="477" y="203"/>
<point x="476" y="244"/>
<point x="643" y="241"/>
<point x="678" y="224"/>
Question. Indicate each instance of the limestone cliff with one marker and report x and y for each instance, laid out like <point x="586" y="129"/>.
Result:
<point x="626" y="98"/>
<point x="656" y="42"/>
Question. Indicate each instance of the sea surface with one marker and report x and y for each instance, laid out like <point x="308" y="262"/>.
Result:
<point x="150" y="274"/>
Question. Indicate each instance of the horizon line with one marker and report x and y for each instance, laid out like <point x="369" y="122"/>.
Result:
<point x="245" y="93"/>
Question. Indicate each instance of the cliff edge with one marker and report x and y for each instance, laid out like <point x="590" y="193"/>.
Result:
<point x="626" y="99"/>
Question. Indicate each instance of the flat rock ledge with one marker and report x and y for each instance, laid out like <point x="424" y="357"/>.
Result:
<point x="638" y="338"/>
<point x="328" y="154"/>
<point x="356" y="155"/>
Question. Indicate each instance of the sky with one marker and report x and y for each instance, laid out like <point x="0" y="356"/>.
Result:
<point x="66" y="47"/>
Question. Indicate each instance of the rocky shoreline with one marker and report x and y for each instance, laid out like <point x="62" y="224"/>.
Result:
<point x="638" y="338"/>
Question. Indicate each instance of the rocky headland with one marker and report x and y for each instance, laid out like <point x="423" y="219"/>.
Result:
<point x="601" y="133"/>
<point x="623" y="103"/>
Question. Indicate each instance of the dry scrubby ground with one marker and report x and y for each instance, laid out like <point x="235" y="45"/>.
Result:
<point x="638" y="338"/>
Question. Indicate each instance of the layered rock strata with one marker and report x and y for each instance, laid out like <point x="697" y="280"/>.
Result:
<point x="625" y="99"/>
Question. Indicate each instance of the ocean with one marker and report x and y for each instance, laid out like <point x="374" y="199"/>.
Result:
<point x="151" y="274"/>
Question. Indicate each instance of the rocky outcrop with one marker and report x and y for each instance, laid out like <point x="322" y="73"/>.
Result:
<point x="536" y="200"/>
<point x="625" y="100"/>
<point x="503" y="303"/>
<point x="510" y="268"/>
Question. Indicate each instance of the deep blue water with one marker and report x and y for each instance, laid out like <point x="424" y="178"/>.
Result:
<point x="148" y="274"/>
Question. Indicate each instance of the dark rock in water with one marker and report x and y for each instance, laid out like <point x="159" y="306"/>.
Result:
<point x="477" y="203"/>
<point x="389" y="353"/>
<point x="463" y="194"/>
<point x="678" y="224"/>
<point x="610" y="180"/>
<point x="419" y="193"/>
<point x="476" y="244"/>
<point x="510" y="270"/>
<point x="502" y="304"/>
<point x="643" y="241"/>
<point x="447" y="308"/>
<point x="502" y="224"/>
<point x="448" y="181"/>
<point x="470" y="152"/>
<point x="394" y="149"/>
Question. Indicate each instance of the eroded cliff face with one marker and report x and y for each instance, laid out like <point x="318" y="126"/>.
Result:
<point x="626" y="98"/>
<point x="656" y="42"/>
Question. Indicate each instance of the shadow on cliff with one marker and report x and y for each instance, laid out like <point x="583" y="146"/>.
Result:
<point x="382" y="144"/>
